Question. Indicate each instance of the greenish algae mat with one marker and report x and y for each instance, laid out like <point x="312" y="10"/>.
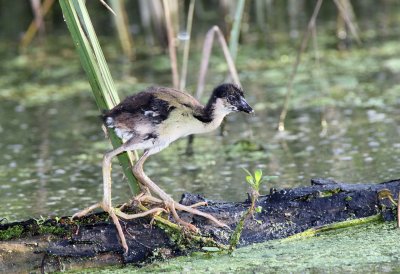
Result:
<point x="369" y="248"/>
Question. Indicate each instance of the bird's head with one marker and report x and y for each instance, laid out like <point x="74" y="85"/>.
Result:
<point x="231" y="98"/>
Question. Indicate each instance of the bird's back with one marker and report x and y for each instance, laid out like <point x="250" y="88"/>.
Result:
<point x="141" y="113"/>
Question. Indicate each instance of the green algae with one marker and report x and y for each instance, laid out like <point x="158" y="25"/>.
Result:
<point x="35" y="227"/>
<point x="11" y="233"/>
<point x="50" y="229"/>
<point x="349" y="223"/>
<point x="357" y="249"/>
<point x="329" y="193"/>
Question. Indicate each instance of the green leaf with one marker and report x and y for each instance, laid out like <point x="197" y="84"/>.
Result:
<point x="93" y="62"/>
<point x="258" y="209"/>
<point x="248" y="172"/>
<point x="250" y="179"/>
<point x="258" y="175"/>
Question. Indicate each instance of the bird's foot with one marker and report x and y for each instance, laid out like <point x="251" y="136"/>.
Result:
<point x="173" y="206"/>
<point x="146" y="198"/>
<point x="170" y="206"/>
<point x="142" y="198"/>
<point x="198" y="204"/>
<point x="86" y="211"/>
<point x="113" y="212"/>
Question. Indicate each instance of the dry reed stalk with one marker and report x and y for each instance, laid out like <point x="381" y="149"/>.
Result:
<point x="187" y="45"/>
<point x="207" y="46"/>
<point x="33" y="27"/>
<point x="289" y="87"/>
<point x="347" y="12"/>
<point x="171" y="45"/>
<point x="121" y="22"/>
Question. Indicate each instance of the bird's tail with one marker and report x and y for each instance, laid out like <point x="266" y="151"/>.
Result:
<point x="108" y="121"/>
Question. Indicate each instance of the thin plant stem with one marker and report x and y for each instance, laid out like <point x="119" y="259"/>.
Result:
<point x="235" y="31"/>
<point x="171" y="45"/>
<point x="97" y="71"/>
<point x="289" y="87"/>
<point x="187" y="45"/>
<point x="121" y="22"/>
<point x="108" y="7"/>
<point x="329" y="227"/>
<point x="320" y="78"/>
<point x="33" y="27"/>
<point x="145" y="19"/>
<point x="37" y="11"/>
<point x="347" y="13"/>
<point x="207" y="46"/>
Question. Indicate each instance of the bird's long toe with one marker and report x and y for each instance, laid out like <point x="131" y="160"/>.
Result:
<point x="195" y="211"/>
<point x="86" y="211"/>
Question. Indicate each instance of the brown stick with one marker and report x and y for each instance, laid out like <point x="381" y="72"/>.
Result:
<point x="33" y="28"/>
<point x="207" y="46"/>
<point x="187" y="46"/>
<point x="171" y="45"/>
<point x="346" y="11"/>
<point x="289" y="87"/>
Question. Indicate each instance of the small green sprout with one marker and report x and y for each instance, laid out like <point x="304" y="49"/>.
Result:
<point x="40" y="221"/>
<point x="254" y="180"/>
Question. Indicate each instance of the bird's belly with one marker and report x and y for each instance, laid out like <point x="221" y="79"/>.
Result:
<point x="179" y="126"/>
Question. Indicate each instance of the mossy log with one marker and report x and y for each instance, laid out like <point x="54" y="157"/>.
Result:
<point x="60" y="244"/>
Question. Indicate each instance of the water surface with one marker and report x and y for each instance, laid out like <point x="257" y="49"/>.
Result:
<point x="52" y="143"/>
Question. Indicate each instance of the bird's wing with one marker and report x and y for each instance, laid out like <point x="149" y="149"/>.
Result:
<point x="178" y="99"/>
<point x="151" y="106"/>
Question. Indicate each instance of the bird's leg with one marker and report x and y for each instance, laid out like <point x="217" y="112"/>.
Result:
<point x="106" y="203"/>
<point x="168" y="201"/>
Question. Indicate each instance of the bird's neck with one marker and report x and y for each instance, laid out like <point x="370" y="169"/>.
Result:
<point x="213" y="114"/>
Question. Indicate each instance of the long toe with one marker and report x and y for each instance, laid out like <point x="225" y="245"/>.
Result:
<point x="195" y="211"/>
<point x="86" y="211"/>
<point x="111" y="212"/>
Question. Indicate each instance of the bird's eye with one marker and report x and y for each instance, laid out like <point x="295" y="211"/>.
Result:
<point x="232" y="99"/>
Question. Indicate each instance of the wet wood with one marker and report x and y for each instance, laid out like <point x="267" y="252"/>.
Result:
<point x="62" y="244"/>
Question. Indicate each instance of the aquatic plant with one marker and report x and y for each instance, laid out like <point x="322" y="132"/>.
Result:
<point x="97" y="71"/>
<point x="254" y="180"/>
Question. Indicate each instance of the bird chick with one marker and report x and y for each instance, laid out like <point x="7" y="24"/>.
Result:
<point x="152" y="119"/>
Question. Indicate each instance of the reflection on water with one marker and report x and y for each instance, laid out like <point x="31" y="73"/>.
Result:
<point x="52" y="143"/>
<point x="51" y="155"/>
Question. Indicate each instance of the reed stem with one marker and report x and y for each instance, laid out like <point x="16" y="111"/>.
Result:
<point x="235" y="31"/>
<point x="187" y="46"/>
<point x="171" y="44"/>
<point x="289" y="87"/>
<point x="97" y="71"/>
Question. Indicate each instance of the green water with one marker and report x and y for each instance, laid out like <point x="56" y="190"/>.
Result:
<point x="52" y="144"/>
<point x="346" y="250"/>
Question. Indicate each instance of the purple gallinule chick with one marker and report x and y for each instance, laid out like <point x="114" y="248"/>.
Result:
<point x="152" y="119"/>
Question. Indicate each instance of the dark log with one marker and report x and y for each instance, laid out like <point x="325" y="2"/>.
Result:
<point x="57" y="244"/>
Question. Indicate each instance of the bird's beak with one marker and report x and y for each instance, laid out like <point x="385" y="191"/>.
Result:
<point x="244" y="106"/>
